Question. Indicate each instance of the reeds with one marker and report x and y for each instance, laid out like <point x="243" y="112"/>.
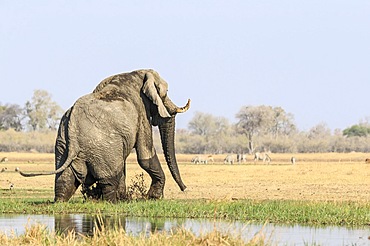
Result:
<point x="39" y="235"/>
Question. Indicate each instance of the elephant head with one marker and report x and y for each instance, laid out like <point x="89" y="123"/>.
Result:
<point x="155" y="88"/>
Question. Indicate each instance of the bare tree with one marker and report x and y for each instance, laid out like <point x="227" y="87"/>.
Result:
<point x="282" y="123"/>
<point x="321" y="130"/>
<point x="261" y="120"/>
<point x="254" y="121"/>
<point x="317" y="139"/>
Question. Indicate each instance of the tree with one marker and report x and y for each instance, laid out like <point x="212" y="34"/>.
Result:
<point x="318" y="139"/>
<point x="282" y="123"/>
<point x="321" y="130"/>
<point x="253" y="121"/>
<point x="200" y="123"/>
<point x="10" y="117"/>
<point x="261" y="120"/>
<point x="357" y="131"/>
<point x="338" y="142"/>
<point x="210" y="129"/>
<point x="42" y="112"/>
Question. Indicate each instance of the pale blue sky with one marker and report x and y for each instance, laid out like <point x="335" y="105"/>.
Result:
<point x="312" y="58"/>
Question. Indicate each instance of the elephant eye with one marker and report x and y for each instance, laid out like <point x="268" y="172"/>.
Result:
<point x="162" y="91"/>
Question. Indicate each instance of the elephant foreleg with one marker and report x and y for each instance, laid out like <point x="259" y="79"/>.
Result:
<point x="153" y="167"/>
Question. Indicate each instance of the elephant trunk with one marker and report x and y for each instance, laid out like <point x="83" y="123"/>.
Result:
<point x="167" y="132"/>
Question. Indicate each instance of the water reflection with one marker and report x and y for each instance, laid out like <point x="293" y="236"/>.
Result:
<point x="275" y="234"/>
<point x="86" y="224"/>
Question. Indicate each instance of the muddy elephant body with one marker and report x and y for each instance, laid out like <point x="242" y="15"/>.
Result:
<point x="99" y="152"/>
<point x="97" y="134"/>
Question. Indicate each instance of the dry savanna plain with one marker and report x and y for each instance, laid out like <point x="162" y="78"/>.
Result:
<point x="314" y="177"/>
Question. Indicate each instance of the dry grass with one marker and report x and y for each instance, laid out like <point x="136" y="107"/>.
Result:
<point x="320" y="177"/>
<point x="39" y="235"/>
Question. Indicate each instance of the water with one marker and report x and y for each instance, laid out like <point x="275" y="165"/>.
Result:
<point x="274" y="234"/>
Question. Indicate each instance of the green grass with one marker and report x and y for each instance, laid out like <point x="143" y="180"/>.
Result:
<point x="311" y="213"/>
<point x="288" y="212"/>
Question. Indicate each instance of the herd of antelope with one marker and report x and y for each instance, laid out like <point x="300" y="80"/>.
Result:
<point x="242" y="158"/>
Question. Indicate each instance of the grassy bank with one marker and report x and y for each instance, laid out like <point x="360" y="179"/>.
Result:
<point x="290" y="212"/>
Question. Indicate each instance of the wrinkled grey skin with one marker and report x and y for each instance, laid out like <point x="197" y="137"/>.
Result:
<point x="97" y="134"/>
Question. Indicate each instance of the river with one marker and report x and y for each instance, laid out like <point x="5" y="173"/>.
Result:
<point x="274" y="234"/>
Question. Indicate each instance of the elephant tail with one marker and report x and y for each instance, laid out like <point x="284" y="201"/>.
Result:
<point x="66" y="126"/>
<point x="59" y="170"/>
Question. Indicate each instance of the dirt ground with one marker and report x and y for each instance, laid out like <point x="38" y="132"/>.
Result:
<point x="319" y="177"/>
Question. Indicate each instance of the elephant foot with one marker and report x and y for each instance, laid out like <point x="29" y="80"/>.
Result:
<point x="155" y="192"/>
<point x="110" y="193"/>
<point x="60" y="199"/>
<point x="113" y="189"/>
<point x="110" y="197"/>
<point x="64" y="193"/>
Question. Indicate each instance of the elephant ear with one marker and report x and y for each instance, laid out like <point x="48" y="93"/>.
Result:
<point x="151" y="92"/>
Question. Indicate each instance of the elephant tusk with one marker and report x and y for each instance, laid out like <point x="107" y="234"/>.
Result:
<point x="184" y="109"/>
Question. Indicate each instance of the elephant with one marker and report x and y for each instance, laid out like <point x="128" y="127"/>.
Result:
<point x="98" y="132"/>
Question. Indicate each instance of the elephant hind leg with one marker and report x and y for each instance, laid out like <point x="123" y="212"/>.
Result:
<point x="113" y="188"/>
<point x="121" y="191"/>
<point x="66" y="185"/>
<point x="108" y="192"/>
